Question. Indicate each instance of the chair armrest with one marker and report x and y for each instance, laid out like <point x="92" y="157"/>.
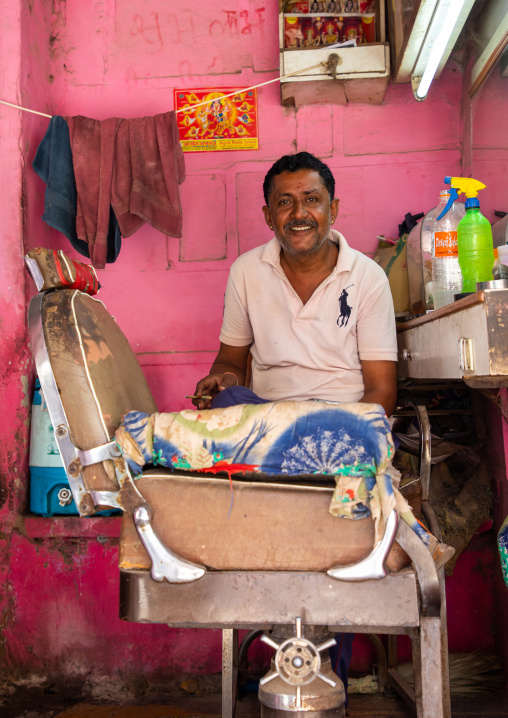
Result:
<point x="373" y="565"/>
<point x="425" y="570"/>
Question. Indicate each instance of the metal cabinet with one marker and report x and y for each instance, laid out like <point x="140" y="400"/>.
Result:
<point x="466" y="340"/>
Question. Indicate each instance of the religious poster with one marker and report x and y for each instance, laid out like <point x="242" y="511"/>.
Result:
<point x="324" y="30"/>
<point x="208" y="121"/>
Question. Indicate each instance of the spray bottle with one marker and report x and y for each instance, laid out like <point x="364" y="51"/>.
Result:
<point x="474" y="234"/>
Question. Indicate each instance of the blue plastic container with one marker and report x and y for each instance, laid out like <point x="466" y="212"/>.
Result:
<point x="50" y="493"/>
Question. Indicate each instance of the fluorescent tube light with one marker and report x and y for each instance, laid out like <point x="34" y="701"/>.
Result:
<point x="441" y="28"/>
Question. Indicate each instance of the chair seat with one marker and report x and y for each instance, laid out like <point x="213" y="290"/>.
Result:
<point x="258" y="526"/>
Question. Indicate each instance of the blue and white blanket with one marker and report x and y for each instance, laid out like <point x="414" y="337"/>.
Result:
<point x="351" y="442"/>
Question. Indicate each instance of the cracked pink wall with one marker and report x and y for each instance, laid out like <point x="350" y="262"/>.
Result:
<point x="105" y="59"/>
<point x="15" y="369"/>
<point x="126" y="59"/>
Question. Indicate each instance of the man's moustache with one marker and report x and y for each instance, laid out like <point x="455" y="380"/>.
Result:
<point x="289" y="225"/>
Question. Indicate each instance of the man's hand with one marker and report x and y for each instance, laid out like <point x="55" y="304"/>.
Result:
<point x="211" y="385"/>
<point x="227" y="370"/>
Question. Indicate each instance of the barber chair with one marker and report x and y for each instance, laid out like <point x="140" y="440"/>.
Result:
<point x="281" y="564"/>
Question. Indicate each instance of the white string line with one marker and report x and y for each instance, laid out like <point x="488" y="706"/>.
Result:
<point x="191" y="107"/>
<point x="254" y="87"/>
<point x="25" y="109"/>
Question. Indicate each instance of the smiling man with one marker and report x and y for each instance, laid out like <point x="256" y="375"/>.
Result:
<point x="316" y="315"/>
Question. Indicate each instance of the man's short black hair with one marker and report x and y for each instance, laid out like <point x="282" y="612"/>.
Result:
<point x="293" y="163"/>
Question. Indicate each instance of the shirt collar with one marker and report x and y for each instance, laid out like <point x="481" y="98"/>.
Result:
<point x="345" y="260"/>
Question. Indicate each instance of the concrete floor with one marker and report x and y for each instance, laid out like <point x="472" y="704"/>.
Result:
<point x="43" y="703"/>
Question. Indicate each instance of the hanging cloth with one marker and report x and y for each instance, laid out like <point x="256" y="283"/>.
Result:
<point x="134" y="166"/>
<point x="53" y="164"/>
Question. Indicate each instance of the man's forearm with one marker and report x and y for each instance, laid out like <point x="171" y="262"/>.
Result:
<point x="232" y="360"/>
<point x="380" y="382"/>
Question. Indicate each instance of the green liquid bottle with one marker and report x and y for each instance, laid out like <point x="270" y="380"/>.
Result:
<point x="476" y="249"/>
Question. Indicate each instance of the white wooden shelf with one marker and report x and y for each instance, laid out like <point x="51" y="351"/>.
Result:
<point x="362" y="72"/>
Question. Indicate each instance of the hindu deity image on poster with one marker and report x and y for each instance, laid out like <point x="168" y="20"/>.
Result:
<point x="221" y="123"/>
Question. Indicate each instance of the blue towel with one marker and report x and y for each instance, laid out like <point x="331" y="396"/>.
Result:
<point x="53" y="164"/>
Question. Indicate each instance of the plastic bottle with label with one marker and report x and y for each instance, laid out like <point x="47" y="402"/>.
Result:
<point x="426" y="256"/>
<point x="446" y="274"/>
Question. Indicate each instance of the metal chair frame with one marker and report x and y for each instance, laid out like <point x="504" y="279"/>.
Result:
<point x="361" y="598"/>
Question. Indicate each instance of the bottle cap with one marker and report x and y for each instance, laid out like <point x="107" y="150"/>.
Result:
<point x="472" y="202"/>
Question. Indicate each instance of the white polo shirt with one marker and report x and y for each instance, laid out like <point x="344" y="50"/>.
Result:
<point x="313" y="350"/>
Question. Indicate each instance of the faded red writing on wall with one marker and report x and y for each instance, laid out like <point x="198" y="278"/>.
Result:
<point x="152" y="29"/>
<point x="238" y="23"/>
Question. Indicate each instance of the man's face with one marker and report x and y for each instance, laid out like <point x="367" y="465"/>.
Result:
<point x="300" y="212"/>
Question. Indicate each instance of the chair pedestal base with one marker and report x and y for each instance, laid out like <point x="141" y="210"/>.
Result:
<point x="300" y="681"/>
<point x="317" y="699"/>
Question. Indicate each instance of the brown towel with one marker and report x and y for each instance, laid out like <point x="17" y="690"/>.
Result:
<point x="135" y="166"/>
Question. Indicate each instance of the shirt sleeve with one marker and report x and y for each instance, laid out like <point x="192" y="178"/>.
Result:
<point x="376" y="331"/>
<point x="236" y="327"/>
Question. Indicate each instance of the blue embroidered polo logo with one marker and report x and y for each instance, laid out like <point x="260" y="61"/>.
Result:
<point x="345" y="309"/>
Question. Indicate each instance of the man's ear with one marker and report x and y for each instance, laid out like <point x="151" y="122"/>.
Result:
<point x="334" y="209"/>
<point x="268" y="216"/>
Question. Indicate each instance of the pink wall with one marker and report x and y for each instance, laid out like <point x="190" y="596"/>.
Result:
<point x="124" y="59"/>
<point x="497" y="429"/>
<point x="487" y="142"/>
<point x="489" y="163"/>
<point x="15" y="369"/>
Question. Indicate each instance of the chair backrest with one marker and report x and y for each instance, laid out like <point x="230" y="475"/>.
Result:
<point x="89" y="376"/>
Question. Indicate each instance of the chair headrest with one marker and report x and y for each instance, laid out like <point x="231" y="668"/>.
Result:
<point x="52" y="269"/>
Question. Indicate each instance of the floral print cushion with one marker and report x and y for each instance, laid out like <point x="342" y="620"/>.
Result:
<point x="350" y="442"/>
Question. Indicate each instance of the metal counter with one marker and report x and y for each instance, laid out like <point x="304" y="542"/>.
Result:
<point x="465" y="340"/>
